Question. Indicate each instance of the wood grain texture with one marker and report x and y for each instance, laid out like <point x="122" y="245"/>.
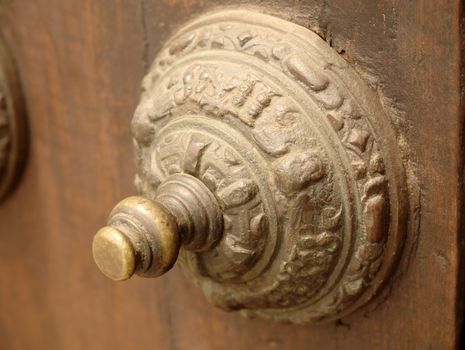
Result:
<point x="81" y="63"/>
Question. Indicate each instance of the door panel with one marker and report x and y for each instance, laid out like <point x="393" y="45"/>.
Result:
<point x="81" y="64"/>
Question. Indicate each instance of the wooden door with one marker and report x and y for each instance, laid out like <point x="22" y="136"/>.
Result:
<point x="81" y="63"/>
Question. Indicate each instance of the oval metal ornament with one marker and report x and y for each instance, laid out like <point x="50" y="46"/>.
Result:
<point x="13" y="144"/>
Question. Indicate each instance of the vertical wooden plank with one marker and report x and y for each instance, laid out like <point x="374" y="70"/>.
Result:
<point x="81" y="64"/>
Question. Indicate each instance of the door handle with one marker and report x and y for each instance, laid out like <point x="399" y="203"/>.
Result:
<point x="269" y="165"/>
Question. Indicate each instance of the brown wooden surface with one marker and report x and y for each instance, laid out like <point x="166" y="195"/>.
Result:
<point x="81" y="64"/>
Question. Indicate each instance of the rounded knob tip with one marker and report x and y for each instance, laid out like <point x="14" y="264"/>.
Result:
<point x="114" y="254"/>
<point x="140" y="237"/>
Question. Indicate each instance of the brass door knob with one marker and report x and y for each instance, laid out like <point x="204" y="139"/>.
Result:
<point x="143" y="236"/>
<point x="269" y="165"/>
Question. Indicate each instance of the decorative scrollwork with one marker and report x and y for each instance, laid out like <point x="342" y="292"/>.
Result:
<point x="296" y="148"/>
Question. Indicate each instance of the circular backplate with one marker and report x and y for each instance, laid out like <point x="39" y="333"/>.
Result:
<point x="299" y="153"/>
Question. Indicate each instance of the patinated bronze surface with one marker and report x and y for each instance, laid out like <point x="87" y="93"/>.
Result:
<point x="12" y="123"/>
<point x="299" y="153"/>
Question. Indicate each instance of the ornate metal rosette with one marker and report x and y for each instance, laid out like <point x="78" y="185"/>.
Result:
<point x="298" y="151"/>
<point x="12" y="123"/>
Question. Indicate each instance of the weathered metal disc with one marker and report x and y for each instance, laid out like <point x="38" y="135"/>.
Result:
<point x="300" y="154"/>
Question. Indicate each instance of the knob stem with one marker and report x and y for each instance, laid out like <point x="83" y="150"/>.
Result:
<point x="197" y="213"/>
